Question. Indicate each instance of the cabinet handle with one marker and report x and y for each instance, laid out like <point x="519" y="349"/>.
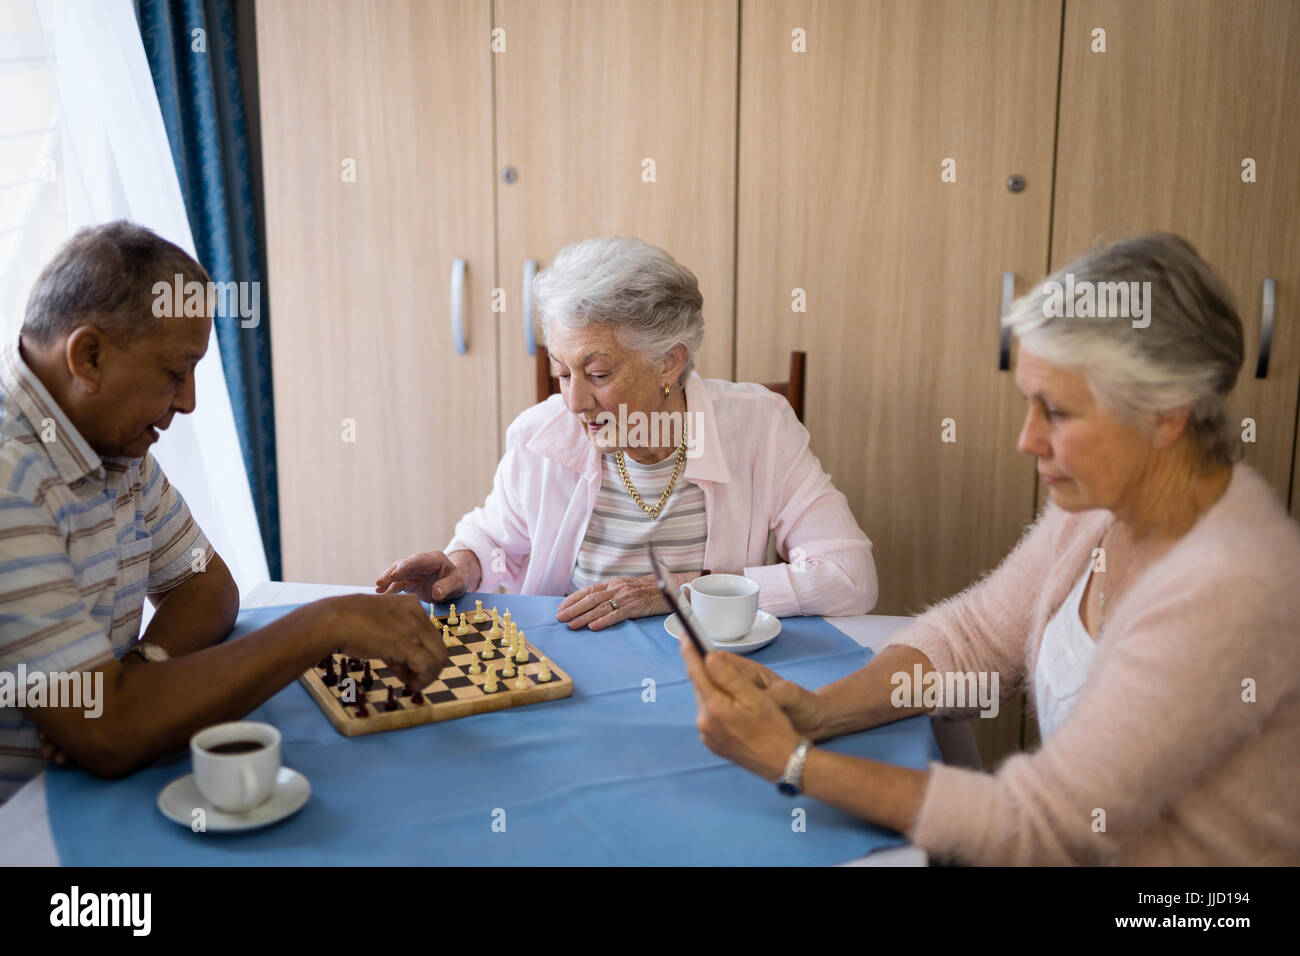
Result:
<point x="1267" y="306"/>
<point x="530" y="337"/>
<point x="1004" y="333"/>
<point x="457" y="301"/>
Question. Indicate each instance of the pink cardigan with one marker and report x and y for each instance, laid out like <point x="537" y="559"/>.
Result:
<point x="757" y="473"/>
<point x="1160" y="737"/>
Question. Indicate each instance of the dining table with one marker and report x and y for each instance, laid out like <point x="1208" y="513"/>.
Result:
<point x="614" y="774"/>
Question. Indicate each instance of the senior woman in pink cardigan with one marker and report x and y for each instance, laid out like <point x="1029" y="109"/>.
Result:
<point x="638" y="448"/>
<point x="1151" y="611"/>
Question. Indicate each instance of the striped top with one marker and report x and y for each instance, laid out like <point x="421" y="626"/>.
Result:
<point x="619" y="530"/>
<point x="82" y="540"/>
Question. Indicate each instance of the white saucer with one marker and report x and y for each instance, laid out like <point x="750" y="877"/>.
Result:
<point x="764" y="632"/>
<point x="180" y="798"/>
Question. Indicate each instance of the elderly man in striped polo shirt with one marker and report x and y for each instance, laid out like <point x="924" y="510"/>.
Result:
<point x="89" y="526"/>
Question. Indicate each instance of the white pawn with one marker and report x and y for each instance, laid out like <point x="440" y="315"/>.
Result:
<point x="544" y="674"/>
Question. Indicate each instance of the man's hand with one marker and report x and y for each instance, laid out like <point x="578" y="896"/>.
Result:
<point x="599" y="605"/>
<point x="432" y="575"/>
<point x="393" y="627"/>
<point x="738" y="719"/>
<point x="52" y="751"/>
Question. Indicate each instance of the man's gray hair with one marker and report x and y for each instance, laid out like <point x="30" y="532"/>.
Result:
<point x="104" y="276"/>
<point x="651" y="301"/>
<point x="1186" y="350"/>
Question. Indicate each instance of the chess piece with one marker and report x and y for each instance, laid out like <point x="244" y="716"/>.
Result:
<point x="521" y="683"/>
<point x="507" y="619"/>
<point x="544" y="674"/>
<point x="361" y="709"/>
<point x="367" y="679"/>
<point x="417" y="698"/>
<point x="490" y="683"/>
<point x="488" y="651"/>
<point x="509" y="669"/>
<point x="494" y="631"/>
<point x="451" y="617"/>
<point x="330" y="678"/>
<point x="474" y="668"/>
<point x="354" y="663"/>
<point x="391" y="703"/>
<point x="447" y="640"/>
<point x="521" y="652"/>
<point x="479" y="614"/>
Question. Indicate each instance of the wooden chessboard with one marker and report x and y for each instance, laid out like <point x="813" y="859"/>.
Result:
<point x="456" y="692"/>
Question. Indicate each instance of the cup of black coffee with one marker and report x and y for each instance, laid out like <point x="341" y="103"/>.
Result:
<point x="236" y="764"/>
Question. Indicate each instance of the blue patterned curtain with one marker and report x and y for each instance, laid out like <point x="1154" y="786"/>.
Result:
<point x="191" y="49"/>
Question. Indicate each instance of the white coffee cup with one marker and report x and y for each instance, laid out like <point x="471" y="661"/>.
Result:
<point x="236" y="782"/>
<point x="724" y="605"/>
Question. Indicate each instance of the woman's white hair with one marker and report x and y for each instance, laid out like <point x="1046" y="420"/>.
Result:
<point x="651" y="301"/>
<point x="1188" y="354"/>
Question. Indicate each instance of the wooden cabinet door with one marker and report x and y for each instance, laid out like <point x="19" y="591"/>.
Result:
<point x="1153" y="135"/>
<point x="589" y="94"/>
<point x="843" y="209"/>
<point x="385" y="435"/>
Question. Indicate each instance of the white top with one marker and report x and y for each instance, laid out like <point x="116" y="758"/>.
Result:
<point x="614" y="544"/>
<point x="1063" y="661"/>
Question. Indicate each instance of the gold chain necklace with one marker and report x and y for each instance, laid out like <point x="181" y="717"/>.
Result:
<point x="672" y="482"/>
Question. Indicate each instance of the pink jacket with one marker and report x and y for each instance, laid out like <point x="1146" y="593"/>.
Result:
<point x="1163" y="737"/>
<point x="757" y="473"/>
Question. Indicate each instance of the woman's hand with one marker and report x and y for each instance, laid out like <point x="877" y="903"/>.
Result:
<point x="804" y="709"/>
<point x="432" y="575"/>
<point x="739" y="718"/>
<point x="600" y="605"/>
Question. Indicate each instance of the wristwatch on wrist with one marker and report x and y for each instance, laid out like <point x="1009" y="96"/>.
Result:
<point x="791" y="782"/>
<point x="151" y="652"/>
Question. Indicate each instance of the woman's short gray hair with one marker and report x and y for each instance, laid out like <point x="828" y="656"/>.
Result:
<point x="1178" y="342"/>
<point x="651" y="301"/>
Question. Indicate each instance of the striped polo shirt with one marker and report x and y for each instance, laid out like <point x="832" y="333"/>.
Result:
<point x="82" y="540"/>
<point x="619" y="530"/>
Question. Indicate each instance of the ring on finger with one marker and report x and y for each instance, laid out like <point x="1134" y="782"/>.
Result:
<point x="613" y="604"/>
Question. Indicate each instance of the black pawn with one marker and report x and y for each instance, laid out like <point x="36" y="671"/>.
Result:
<point x="361" y="710"/>
<point x="368" y="678"/>
<point x="330" y="678"/>
<point x="417" y="698"/>
<point x="391" y="703"/>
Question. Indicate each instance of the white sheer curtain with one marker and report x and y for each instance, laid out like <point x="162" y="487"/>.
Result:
<point x="82" y="142"/>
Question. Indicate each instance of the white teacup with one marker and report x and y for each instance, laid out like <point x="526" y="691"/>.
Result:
<point x="235" y="778"/>
<point x="725" y="605"/>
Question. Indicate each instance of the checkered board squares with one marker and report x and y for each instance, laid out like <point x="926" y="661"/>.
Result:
<point x="456" y="692"/>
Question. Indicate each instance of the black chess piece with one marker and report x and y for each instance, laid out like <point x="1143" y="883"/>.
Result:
<point x="367" y="679"/>
<point x="391" y="703"/>
<point x="417" y="698"/>
<point x="330" y="678"/>
<point x="354" y="664"/>
<point x="361" y="710"/>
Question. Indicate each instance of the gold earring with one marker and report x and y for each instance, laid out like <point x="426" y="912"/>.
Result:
<point x="667" y="389"/>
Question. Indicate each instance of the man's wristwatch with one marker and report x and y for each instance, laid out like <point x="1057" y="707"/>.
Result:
<point x="151" y="652"/>
<point x="791" y="782"/>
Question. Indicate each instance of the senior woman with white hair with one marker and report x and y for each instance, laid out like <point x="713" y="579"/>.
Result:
<point x="578" y="493"/>
<point x="1151" y="612"/>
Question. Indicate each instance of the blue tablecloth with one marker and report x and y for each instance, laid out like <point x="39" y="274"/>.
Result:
<point x="602" y="777"/>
